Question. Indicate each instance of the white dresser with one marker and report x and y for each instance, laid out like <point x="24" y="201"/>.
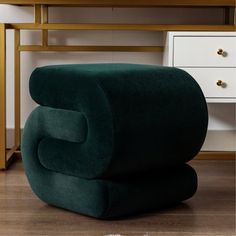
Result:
<point x="210" y="57"/>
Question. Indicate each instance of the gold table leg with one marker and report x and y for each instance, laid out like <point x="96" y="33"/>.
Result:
<point x="2" y="96"/>
<point x="17" y="89"/>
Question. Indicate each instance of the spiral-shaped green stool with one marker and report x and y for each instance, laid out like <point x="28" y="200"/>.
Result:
<point x="109" y="140"/>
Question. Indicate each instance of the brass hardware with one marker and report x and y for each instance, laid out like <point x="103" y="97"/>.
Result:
<point x="220" y="52"/>
<point x="219" y="83"/>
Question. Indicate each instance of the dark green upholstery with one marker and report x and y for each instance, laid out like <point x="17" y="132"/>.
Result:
<point x="113" y="139"/>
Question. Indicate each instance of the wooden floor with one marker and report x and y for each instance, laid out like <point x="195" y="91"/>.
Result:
<point x="210" y="212"/>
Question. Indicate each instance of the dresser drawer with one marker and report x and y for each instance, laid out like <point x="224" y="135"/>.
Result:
<point x="204" y="51"/>
<point x="207" y="78"/>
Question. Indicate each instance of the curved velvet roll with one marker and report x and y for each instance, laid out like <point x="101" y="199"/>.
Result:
<point x="101" y="198"/>
<point x="137" y="118"/>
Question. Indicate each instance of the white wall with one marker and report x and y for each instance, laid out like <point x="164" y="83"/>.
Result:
<point x="222" y="116"/>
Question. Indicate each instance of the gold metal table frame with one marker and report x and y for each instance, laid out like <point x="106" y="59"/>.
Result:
<point x="41" y="23"/>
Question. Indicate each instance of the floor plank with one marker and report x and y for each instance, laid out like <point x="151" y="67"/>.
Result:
<point x="210" y="212"/>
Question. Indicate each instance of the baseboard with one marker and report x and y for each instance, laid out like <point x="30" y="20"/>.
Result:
<point x="216" y="156"/>
<point x="201" y="156"/>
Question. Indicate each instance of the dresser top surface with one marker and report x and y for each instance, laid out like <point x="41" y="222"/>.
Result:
<point x="126" y="3"/>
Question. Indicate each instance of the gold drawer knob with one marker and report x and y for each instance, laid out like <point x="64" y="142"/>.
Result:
<point x="219" y="83"/>
<point x="221" y="52"/>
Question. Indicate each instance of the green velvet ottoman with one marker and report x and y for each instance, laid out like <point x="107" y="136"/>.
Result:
<point x="112" y="139"/>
